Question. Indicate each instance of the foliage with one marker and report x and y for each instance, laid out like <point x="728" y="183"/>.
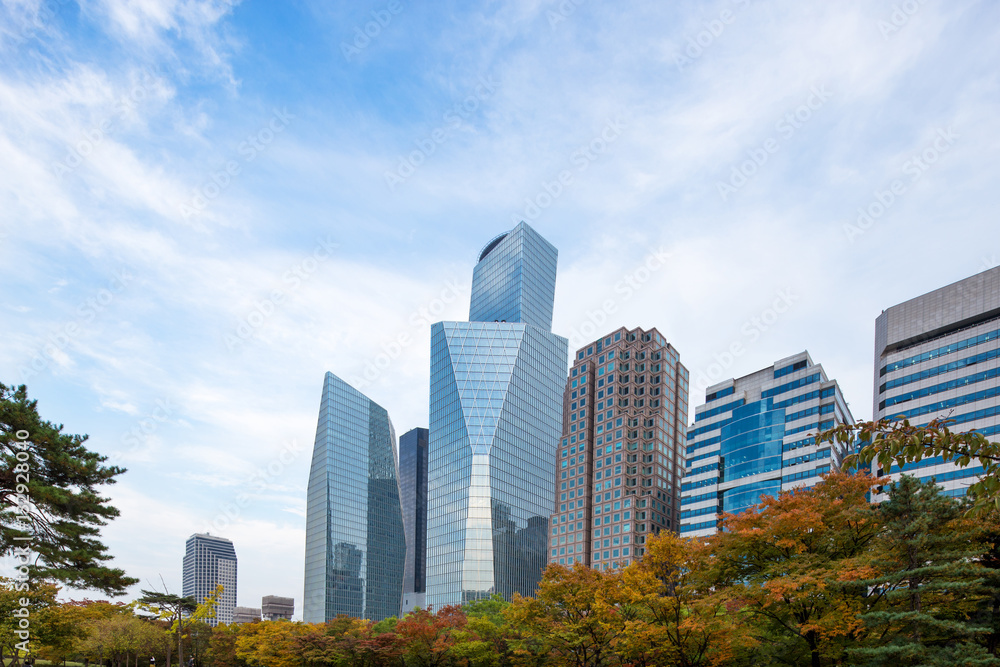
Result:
<point x="56" y="488"/>
<point x="893" y="440"/>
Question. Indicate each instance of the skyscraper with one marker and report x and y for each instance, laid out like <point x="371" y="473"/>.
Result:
<point x="354" y="524"/>
<point x="938" y="355"/>
<point x="413" y="497"/>
<point x="621" y="457"/>
<point x="755" y="436"/>
<point x="495" y="408"/>
<point x="210" y="561"/>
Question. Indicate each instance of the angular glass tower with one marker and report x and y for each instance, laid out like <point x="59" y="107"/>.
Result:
<point x="354" y="524"/>
<point x="495" y="423"/>
<point x="210" y="561"/>
<point x="413" y="497"/>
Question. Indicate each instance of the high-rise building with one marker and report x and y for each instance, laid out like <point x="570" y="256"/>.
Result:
<point x="495" y="408"/>
<point x="274" y="607"/>
<point x="210" y="561"/>
<point x="938" y="356"/>
<point x="413" y="497"/>
<point x="755" y="436"/>
<point x="246" y="615"/>
<point x="621" y="458"/>
<point x="355" y="546"/>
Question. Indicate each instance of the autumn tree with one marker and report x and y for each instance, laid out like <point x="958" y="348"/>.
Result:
<point x="21" y="606"/>
<point x="931" y="578"/>
<point x="793" y="564"/>
<point x="270" y="644"/>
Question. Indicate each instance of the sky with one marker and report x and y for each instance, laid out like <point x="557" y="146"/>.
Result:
<point x="207" y="205"/>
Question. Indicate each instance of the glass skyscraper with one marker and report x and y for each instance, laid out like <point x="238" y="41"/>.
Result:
<point x="938" y="355"/>
<point x="755" y="436"/>
<point x="622" y="452"/>
<point x="495" y="422"/>
<point x="355" y="548"/>
<point x="413" y="497"/>
<point x="210" y="561"/>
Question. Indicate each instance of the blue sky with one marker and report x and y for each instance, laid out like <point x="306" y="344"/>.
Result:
<point x="207" y="205"/>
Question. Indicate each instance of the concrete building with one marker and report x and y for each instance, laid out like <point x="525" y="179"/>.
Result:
<point x="621" y="458"/>
<point x="495" y="422"/>
<point x="355" y="546"/>
<point x="210" y="561"/>
<point x="938" y="356"/>
<point x="413" y="498"/>
<point x="246" y="615"/>
<point x="755" y="436"/>
<point x="274" y="608"/>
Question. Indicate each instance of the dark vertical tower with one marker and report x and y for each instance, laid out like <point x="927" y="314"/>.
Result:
<point x="413" y="496"/>
<point x="355" y="547"/>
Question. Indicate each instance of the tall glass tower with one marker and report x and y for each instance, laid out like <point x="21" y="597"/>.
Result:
<point x="495" y="423"/>
<point x="210" y="561"/>
<point x="355" y="546"/>
<point x="413" y="490"/>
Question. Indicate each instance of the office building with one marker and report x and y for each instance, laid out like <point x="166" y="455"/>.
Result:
<point x="495" y="422"/>
<point x="355" y="546"/>
<point x="938" y="356"/>
<point x="413" y="498"/>
<point x="274" y="608"/>
<point x="210" y="561"/>
<point x="755" y="436"/>
<point x="621" y="457"/>
<point x="246" y="615"/>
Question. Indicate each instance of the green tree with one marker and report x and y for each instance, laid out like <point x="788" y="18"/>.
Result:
<point x="181" y="612"/>
<point x="21" y="607"/>
<point x="931" y="578"/>
<point x="49" y="494"/>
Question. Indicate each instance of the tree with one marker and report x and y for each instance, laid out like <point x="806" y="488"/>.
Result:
<point x="174" y="608"/>
<point x="20" y="608"/>
<point x="930" y="577"/>
<point x="895" y="441"/>
<point x="271" y="644"/>
<point x="122" y="638"/>
<point x="51" y="509"/>
<point x="222" y="647"/>
<point x="794" y="563"/>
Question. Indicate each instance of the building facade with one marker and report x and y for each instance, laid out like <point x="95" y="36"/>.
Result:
<point x="355" y="548"/>
<point x="621" y="457"/>
<point x="495" y="422"/>
<point x="246" y="615"/>
<point x="938" y="356"/>
<point x="210" y="561"/>
<point x="274" y="607"/>
<point x="413" y="497"/>
<point x="755" y="436"/>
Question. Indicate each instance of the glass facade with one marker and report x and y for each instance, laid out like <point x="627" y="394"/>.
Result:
<point x="208" y="562"/>
<point x="413" y="497"/>
<point x="495" y="420"/>
<point x="755" y="436"/>
<point x="355" y="544"/>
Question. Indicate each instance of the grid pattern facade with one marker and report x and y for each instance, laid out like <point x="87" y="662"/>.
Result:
<point x="619" y="466"/>
<point x="494" y="428"/>
<point x="355" y="547"/>
<point x="246" y="615"/>
<point x="755" y="436"/>
<point x="208" y="562"/>
<point x="274" y="607"/>
<point x="413" y="497"/>
<point x="938" y="356"/>
<point x="515" y="280"/>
